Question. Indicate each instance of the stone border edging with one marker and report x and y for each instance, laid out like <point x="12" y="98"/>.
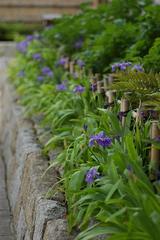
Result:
<point x="35" y="217"/>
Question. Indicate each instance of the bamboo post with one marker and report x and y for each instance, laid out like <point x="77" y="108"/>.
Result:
<point x="93" y="81"/>
<point x="110" y="97"/>
<point x="100" y="87"/>
<point x="66" y="65"/>
<point x="124" y="108"/>
<point x="97" y="77"/>
<point x="110" y="94"/>
<point x="139" y="115"/>
<point x="95" y="3"/>
<point x="155" y="153"/>
<point x="71" y="67"/>
<point x="105" y="82"/>
<point x="110" y="79"/>
<point x="90" y="74"/>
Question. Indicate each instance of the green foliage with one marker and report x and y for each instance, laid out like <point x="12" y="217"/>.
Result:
<point x="77" y="28"/>
<point x="8" y="31"/>
<point x="152" y="59"/>
<point x="111" y="45"/>
<point x="121" y="202"/>
<point x="128" y="9"/>
<point x="141" y="86"/>
<point x="149" y="30"/>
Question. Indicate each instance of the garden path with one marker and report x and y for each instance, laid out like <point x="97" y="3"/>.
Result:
<point x="6" y="230"/>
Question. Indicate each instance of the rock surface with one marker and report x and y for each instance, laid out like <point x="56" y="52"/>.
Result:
<point x="5" y="215"/>
<point x="34" y="216"/>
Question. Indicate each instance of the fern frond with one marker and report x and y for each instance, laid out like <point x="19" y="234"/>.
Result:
<point x="141" y="86"/>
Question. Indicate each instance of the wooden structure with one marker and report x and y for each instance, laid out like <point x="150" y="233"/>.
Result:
<point x="33" y="10"/>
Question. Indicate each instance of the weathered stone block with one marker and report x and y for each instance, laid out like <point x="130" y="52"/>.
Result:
<point x="21" y="226"/>
<point x="46" y="210"/>
<point x="56" y="230"/>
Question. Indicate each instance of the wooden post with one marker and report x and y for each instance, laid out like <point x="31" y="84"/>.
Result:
<point x="110" y="94"/>
<point x="97" y="77"/>
<point x="100" y="87"/>
<point x="124" y="108"/>
<point x="155" y="153"/>
<point x="105" y="82"/>
<point x="90" y="74"/>
<point x="110" y="79"/>
<point x="71" y="67"/>
<point x="66" y="65"/>
<point x="95" y="3"/>
<point x="139" y="115"/>
<point x="110" y="97"/>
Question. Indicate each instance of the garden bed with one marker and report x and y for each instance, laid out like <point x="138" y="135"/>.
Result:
<point x="93" y="82"/>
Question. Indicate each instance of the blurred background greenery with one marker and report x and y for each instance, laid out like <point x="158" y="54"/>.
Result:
<point x="8" y="31"/>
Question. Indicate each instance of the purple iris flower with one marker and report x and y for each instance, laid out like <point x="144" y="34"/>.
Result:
<point x="62" y="61"/>
<point x="121" y="115"/>
<point x="22" y="46"/>
<point x="37" y="56"/>
<point x="93" y="87"/>
<point x="91" y="175"/>
<point x="138" y="68"/>
<point x="47" y="71"/>
<point x="114" y="66"/>
<point x="21" y="73"/>
<point x="30" y="38"/>
<point x="80" y="63"/>
<point x="128" y="64"/>
<point x="157" y="139"/>
<point x="101" y="139"/>
<point x="50" y="74"/>
<point x="40" y="78"/>
<point x="79" y="89"/>
<point x="78" y="44"/>
<point x="61" y="87"/>
<point x="120" y="66"/>
<point x="75" y="75"/>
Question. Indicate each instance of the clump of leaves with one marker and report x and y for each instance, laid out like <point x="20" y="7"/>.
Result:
<point x="151" y="60"/>
<point x="110" y="46"/>
<point x="128" y="10"/>
<point x="148" y="31"/>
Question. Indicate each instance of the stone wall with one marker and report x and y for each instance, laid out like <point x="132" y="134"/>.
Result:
<point x="35" y="217"/>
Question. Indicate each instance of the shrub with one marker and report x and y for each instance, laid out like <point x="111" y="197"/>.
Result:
<point x="151" y="60"/>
